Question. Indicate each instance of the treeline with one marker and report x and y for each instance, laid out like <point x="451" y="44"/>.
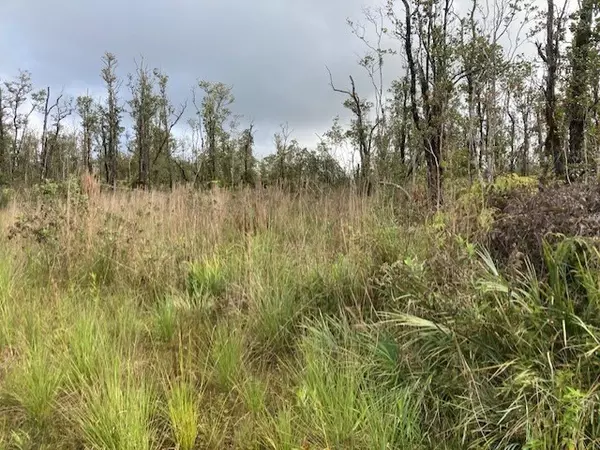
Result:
<point x="477" y="98"/>
<point x="126" y="138"/>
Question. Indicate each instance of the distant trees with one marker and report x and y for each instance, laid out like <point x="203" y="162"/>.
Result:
<point x="467" y="103"/>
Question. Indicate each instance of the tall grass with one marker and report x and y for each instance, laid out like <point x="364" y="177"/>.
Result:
<point x="261" y="319"/>
<point x="116" y="412"/>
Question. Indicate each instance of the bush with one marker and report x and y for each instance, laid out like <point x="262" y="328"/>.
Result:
<point x="525" y="220"/>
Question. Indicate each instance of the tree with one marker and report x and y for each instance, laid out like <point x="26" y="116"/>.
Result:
<point x="430" y="66"/>
<point x="45" y="140"/>
<point x="18" y="94"/>
<point x="144" y="106"/>
<point x="362" y="131"/>
<point x="89" y="125"/>
<point x="111" y="118"/>
<point x="578" y="99"/>
<point x="3" y="135"/>
<point x="399" y="122"/>
<point x="168" y="118"/>
<point x="246" y="143"/>
<point x="213" y="112"/>
<point x="373" y="62"/>
<point x="282" y="151"/>
<point x="550" y="55"/>
<point x="63" y="109"/>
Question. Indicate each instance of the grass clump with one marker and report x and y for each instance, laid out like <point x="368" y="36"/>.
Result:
<point x="207" y="278"/>
<point x="183" y="413"/>
<point x="336" y="405"/>
<point x="33" y="385"/>
<point x="165" y="319"/>
<point x="226" y="355"/>
<point x="116" y="412"/>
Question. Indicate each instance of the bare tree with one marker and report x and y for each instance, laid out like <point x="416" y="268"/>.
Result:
<point x="282" y="146"/>
<point x="45" y="140"/>
<point x="362" y="131"/>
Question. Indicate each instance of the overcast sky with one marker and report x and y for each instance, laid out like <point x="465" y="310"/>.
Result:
<point x="273" y="52"/>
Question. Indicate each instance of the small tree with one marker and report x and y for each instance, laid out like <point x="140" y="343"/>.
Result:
<point x="143" y="108"/>
<point x="362" y="131"/>
<point x="111" y="118"/>
<point x="89" y="125"/>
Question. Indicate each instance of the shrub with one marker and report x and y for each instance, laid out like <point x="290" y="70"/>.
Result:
<point x="525" y="220"/>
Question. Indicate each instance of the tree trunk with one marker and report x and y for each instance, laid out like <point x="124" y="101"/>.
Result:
<point x="525" y="150"/>
<point x="552" y="145"/>
<point x="577" y="99"/>
<point x="44" y="156"/>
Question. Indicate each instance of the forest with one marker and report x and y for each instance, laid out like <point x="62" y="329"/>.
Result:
<point x="426" y="277"/>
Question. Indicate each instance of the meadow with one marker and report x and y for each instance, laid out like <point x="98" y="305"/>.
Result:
<point x="260" y="319"/>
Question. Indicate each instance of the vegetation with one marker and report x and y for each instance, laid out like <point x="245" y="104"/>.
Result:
<point x="163" y="290"/>
<point x="489" y="90"/>
<point x="262" y="319"/>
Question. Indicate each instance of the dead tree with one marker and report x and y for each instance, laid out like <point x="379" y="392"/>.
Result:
<point x="362" y="131"/>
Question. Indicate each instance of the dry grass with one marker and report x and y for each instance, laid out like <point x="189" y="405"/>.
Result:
<point x="261" y="319"/>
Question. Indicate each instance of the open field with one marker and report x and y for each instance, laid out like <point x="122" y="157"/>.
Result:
<point x="259" y="319"/>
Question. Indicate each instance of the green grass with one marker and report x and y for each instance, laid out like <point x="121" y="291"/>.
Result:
<point x="183" y="413"/>
<point x="116" y="412"/>
<point x="336" y="322"/>
<point x="33" y="385"/>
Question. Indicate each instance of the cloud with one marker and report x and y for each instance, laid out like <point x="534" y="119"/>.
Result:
<point x="273" y="52"/>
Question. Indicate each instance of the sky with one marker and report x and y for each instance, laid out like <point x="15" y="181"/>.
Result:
<point x="273" y="52"/>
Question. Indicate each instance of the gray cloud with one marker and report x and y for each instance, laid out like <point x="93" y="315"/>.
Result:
<point x="273" y="52"/>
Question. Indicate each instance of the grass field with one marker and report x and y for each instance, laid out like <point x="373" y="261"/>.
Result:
<point x="259" y="319"/>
